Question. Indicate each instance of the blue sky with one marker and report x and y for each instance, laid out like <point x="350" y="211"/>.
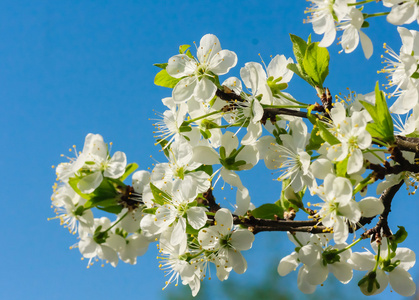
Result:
<point x="68" y="68"/>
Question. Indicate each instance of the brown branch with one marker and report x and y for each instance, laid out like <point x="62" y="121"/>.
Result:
<point x="382" y="224"/>
<point x="407" y="144"/>
<point x="257" y="225"/>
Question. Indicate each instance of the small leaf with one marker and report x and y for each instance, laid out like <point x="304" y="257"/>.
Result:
<point x="316" y="63"/>
<point x="342" y="167"/>
<point x="382" y="127"/>
<point x="161" y="66"/>
<point x="315" y="140"/>
<point x="151" y="211"/>
<point x="183" y="48"/>
<point x="299" y="47"/>
<point x="160" y="197"/>
<point x="165" y="80"/>
<point x="267" y="211"/>
<point x="112" y="209"/>
<point x="128" y="170"/>
<point x="400" y="235"/>
<point x="326" y="135"/>
<point x="73" y="183"/>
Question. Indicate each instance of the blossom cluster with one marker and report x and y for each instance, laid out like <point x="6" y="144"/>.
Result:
<point x="328" y="153"/>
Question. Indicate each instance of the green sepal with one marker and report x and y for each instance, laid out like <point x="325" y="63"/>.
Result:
<point x="365" y="24"/>
<point x="206" y="134"/>
<point x="165" y="80"/>
<point x="268" y="211"/>
<point x="415" y="75"/>
<point x="128" y="170"/>
<point x="383" y="123"/>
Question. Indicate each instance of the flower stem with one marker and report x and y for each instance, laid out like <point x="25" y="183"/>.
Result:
<point x="361" y="2"/>
<point x="378" y="258"/>
<point x="291" y="99"/>
<point x="120" y="219"/>
<point x="284" y="106"/>
<point x="376" y="15"/>
<point x="377" y="141"/>
<point x="350" y="246"/>
<point x="204" y="116"/>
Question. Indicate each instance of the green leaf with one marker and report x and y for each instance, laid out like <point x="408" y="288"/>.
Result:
<point x="183" y="48"/>
<point x="297" y="70"/>
<point x="415" y="75"/>
<point x="160" y="197"/>
<point x="299" y="47"/>
<point x="73" y="183"/>
<point x="191" y="230"/>
<point x="326" y="135"/>
<point x="99" y="201"/>
<point x="400" y="235"/>
<point x="128" y="170"/>
<point x="151" y="211"/>
<point x="267" y="211"/>
<point x="112" y="209"/>
<point x="383" y="123"/>
<point x="316" y="63"/>
<point x="161" y="66"/>
<point x="206" y="168"/>
<point x="165" y="80"/>
<point x="315" y="140"/>
<point x="342" y="167"/>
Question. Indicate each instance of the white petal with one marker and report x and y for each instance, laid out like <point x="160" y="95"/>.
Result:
<point x="401" y="281"/>
<point x="205" y="155"/>
<point x="89" y="183"/>
<point x="242" y="239"/>
<point x="242" y="201"/>
<point x="288" y="264"/>
<point x="222" y="62"/>
<point x="181" y="65"/>
<point x="184" y="89"/>
<point x="197" y="217"/>
<point x="204" y="90"/>
<point x="366" y="45"/>
<point x="208" y="47"/>
<point x="362" y="261"/>
<point x="116" y="165"/>
<point x="342" y="271"/>
<point x="370" y="207"/>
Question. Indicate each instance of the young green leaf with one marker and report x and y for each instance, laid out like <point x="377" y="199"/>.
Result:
<point x="160" y="197"/>
<point x="316" y="63"/>
<point x="326" y="135"/>
<point x="267" y="211"/>
<point x="128" y="170"/>
<point x="383" y="123"/>
<point x="165" y="80"/>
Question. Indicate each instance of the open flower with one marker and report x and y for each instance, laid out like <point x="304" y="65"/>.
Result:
<point x="198" y="71"/>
